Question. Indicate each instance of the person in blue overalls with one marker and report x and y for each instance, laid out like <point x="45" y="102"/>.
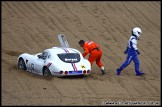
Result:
<point x="132" y="52"/>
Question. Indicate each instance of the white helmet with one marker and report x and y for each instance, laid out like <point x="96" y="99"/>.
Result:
<point x="137" y="31"/>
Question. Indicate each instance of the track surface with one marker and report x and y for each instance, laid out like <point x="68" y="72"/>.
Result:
<point x="31" y="27"/>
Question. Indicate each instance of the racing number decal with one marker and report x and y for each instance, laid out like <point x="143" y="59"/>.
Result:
<point x="32" y="67"/>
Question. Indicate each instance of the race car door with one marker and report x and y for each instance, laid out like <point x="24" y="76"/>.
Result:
<point x="39" y="62"/>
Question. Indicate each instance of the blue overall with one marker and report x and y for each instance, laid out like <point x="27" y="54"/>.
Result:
<point x="132" y="54"/>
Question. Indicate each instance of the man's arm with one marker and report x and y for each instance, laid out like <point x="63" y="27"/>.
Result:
<point x="86" y="51"/>
<point x="135" y="46"/>
<point x="126" y="51"/>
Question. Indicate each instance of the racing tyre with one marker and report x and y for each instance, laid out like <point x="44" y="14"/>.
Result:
<point x="21" y="64"/>
<point x="46" y="72"/>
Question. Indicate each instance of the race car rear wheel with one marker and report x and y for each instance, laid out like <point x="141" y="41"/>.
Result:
<point x="46" y="72"/>
<point x="21" y="64"/>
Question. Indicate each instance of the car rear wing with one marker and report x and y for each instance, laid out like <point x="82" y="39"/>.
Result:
<point x="63" y="41"/>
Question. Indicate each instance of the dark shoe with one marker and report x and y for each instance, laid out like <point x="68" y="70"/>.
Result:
<point x="118" y="71"/>
<point x="139" y="73"/>
<point x="103" y="72"/>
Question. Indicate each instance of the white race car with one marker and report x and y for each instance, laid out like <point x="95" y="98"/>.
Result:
<point x="56" y="61"/>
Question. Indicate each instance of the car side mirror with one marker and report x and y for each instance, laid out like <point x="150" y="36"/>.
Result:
<point x="39" y="56"/>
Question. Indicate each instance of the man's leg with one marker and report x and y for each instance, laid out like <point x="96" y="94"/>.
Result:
<point x="137" y="66"/>
<point x="99" y="63"/>
<point x="125" y="64"/>
<point x="92" y="58"/>
<point x="96" y="56"/>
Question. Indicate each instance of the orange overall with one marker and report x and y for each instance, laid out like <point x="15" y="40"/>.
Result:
<point x="95" y="52"/>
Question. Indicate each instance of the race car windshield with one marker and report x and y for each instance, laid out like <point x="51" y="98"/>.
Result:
<point x="69" y="57"/>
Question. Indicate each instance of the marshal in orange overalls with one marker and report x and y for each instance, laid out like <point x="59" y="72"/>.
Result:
<point x="95" y="52"/>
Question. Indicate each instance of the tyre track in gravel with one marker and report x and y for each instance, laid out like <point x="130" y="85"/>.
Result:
<point x="26" y="26"/>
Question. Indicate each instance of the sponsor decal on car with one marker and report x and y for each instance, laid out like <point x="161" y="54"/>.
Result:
<point x="70" y="59"/>
<point x="82" y="66"/>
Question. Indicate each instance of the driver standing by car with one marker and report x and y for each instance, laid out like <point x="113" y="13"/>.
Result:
<point x="95" y="53"/>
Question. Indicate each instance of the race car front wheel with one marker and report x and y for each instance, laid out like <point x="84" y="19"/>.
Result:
<point x="21" y="64"/>
<point x="46" y="72"/>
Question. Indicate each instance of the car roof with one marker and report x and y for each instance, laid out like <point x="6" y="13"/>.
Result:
<point x="59" y="50"/>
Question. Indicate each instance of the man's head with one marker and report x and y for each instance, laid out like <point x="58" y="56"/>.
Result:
<point x="81" y="43"/>
<point x="137" y="32"/>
